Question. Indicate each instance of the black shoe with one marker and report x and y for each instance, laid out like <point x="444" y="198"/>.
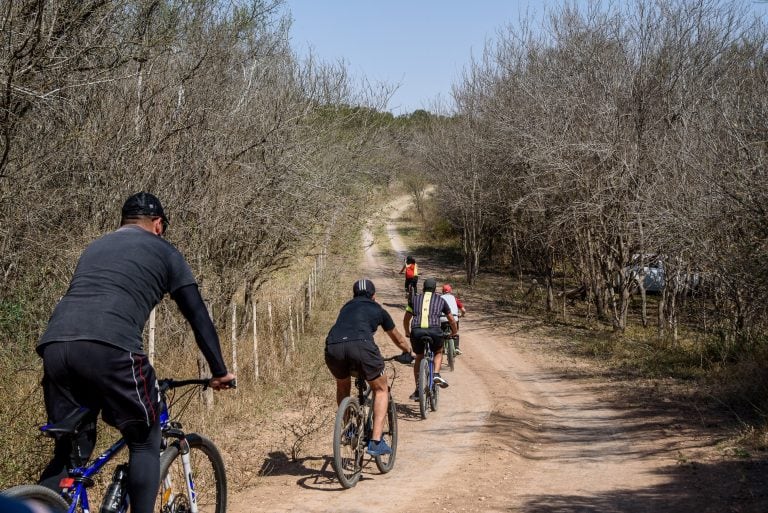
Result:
<point x="415" y="395"/>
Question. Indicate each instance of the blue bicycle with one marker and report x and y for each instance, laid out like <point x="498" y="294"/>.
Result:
<point x="193" y="478"/>
<point x="429" y="393"/>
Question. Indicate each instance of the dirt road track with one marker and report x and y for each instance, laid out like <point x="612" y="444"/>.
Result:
<point x="517" y="430"/>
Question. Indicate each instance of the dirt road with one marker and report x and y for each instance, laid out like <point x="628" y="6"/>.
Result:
<point x="517" y="430"/>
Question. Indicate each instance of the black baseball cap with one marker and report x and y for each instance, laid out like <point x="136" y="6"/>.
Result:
<point x="430" y="284"/>
<point x="363" y="287"/>
<point x="144" y="204"/>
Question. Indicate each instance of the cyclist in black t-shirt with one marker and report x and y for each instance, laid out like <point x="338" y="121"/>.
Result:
<point x="92" y="347"/>
<point x="350" y="346"/>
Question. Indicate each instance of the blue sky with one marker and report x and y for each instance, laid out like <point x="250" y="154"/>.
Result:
<point x="422" y="45"/>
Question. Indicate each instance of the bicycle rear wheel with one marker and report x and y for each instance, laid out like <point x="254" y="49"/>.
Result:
<point x="208" y="480"/>
<point x="450" y="352"/>
<point x="348" y="441"/>
<point x="424" y="388"/>
<point x="38" y="493"/>
<point x="409" y="295"/>
<point x="387" y="462"/>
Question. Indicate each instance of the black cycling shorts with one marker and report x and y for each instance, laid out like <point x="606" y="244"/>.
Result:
<point x="434" y="333"/>
<point x="413" y="282"/>
<point x="120" y="384"/>
<point x="360" y="356"/>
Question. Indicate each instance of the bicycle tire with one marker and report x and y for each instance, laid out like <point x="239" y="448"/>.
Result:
<point x="348" y="434"/>
<point x="387" y="462"/>
<point x="38" y="493"/>
<point x="209" y="477"/>
<point x="434" y="397"/>
<point x="424" y="388"/>
<point x="450" y="352"/>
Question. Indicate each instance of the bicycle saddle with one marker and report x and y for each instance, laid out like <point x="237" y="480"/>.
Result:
<point x="69" y="425"/>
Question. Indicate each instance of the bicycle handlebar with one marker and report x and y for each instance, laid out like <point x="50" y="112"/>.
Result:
<point x="168" y="383"/>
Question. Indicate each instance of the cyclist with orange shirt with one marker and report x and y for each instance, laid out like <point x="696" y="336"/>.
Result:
<point x="411" y="271"/>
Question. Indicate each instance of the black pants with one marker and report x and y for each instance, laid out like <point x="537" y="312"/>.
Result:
<point x="122" y="386"/>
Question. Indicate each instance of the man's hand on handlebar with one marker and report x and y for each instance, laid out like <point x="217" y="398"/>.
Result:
<point x="405" y="358"/>
<point x="223" y="382"/>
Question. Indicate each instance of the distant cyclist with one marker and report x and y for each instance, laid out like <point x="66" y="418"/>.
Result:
<point x="457" y="309"/>
<point x="350" y="347"/>
<point x="423" y="318"/>
<point x="92" y="347"/>
<point x="411" y="270"/>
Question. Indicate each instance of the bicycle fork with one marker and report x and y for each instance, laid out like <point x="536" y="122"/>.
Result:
<point x="170" y="492"/>
<point x="431" y="367"/>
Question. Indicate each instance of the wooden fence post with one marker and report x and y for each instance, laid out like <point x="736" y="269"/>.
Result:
<point x="269" y="315"/>
<point x="286" y="347"/>
<point x="255" y="347"/>
<point x="310" y="287"/>
<point x="151" y="341"/>
<point x="290" y="324"/>
<point x="234" y="339"/>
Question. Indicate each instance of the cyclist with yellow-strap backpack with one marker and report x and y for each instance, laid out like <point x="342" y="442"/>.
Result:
<point x="422" y="318"/>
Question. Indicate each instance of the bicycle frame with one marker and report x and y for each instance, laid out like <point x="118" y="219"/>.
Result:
<point x="82" y="478"/>
<point x="429" y="355"/>
<point x="365" y="397"/>
<point x="364" y="394"/>
<point x="74" y="488"/>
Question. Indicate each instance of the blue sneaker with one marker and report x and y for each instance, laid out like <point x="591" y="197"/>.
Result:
<point x="378" y="448"/>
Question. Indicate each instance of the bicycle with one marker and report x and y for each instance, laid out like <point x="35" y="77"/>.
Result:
<point x="353" y="428"/>
<point x="193" y="478"/>
<point x="449" y="346"/>
<point x="410" y="292"/>
<point x="429" y="393"/>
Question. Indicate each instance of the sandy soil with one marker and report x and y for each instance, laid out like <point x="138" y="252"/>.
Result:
<point x="519" y="429"/>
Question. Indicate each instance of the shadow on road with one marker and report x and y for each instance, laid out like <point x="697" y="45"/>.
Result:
<point x="691" y="487"/>
<point x="278" y="463"/>
<point x="408" y="412"/>
<point x="679" y="429"/>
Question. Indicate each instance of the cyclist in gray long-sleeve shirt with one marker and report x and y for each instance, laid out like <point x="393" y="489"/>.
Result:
<point x="92" y="347"/>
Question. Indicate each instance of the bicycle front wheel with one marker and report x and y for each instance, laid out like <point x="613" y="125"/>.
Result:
<point x="387" y="462"/>
<point x="424" y="388"/>
<point x="38" y="493"/>
<point x="348" y="442"/>
<point x="434" y="396"/>
<point x="450" y="352"/>
<point x="207" y="484"/>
